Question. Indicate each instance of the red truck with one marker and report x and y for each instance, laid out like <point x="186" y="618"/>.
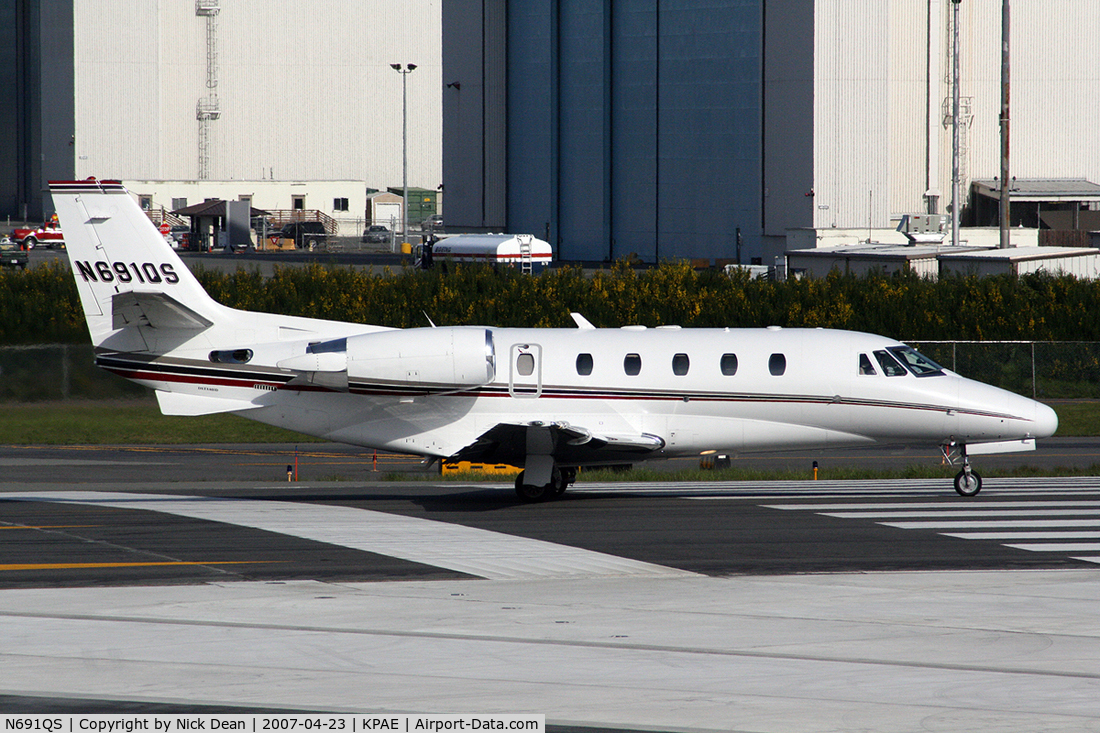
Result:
<point x="47" y="235"/>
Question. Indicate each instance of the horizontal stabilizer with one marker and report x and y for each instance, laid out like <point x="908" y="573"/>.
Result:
<point x="157" y="310"/>
<point x="177" y="403"/>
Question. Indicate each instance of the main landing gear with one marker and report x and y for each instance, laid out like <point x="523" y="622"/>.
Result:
<point x="560" y="479"/>
<point x="967" y="481"/>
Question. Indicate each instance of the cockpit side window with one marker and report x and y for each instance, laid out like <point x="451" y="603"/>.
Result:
<point x="865" y="365"/>
<point x="916" y="362"/>
<point x="889" y="364"/>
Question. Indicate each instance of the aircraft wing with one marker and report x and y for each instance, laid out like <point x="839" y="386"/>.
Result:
<point x="568" y="445"/>
<point x="159" y="310"/>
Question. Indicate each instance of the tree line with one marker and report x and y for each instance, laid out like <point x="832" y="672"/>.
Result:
<point x="40" y="305"/>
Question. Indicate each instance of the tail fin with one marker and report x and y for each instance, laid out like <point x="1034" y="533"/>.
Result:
<point x="126" y="273"/>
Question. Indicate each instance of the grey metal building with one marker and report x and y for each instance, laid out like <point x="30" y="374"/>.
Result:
<point x="607" y="128"/>
<point x="659" y="127"/>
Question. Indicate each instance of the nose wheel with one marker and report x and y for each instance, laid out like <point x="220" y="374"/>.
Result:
<point x="967" y="482"/>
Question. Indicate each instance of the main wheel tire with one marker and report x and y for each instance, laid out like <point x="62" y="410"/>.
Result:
<point x="558" y="484"/>
<point x="527" y="492"/>
<point x="968" y="485"/>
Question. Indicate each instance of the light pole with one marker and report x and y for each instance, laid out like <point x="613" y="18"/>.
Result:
<point x="404" y="72"/>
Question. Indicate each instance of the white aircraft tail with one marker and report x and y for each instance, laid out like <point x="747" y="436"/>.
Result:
<point x="126" y="273"/>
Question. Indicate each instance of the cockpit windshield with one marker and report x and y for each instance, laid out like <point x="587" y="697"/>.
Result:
<point x="916" y="362"/>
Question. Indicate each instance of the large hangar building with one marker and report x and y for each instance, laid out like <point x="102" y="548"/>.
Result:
<point x="181" y="92"/>
<point x="662" y="127"/>
<point x="659" y="128"/>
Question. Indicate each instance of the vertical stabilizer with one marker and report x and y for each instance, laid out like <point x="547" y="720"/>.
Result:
<point x="127" y="275"/>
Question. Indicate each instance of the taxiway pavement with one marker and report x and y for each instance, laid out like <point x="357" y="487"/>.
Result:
<point x="811" y="606"/>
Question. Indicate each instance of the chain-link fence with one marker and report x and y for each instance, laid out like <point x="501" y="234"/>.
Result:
<point x="1038" y="369"/>
<point x="58" y="372"/>
<point x="1044" y="370"/>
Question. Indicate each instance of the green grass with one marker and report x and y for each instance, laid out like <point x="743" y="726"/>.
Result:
<point x="1077" y="419"/>
<point x="127" y="422"/>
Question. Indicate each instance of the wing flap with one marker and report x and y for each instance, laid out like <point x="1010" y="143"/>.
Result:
<point x="567" y="444"/>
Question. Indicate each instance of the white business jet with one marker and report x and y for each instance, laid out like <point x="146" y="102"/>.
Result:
<point x="546" y="400"/>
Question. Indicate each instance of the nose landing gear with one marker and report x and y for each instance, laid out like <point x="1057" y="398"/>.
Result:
<point x="967" y="481"/>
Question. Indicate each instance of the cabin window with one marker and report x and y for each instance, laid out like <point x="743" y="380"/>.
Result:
<point x="584" y="364"/>
<point x="632" y="365"/>
<point x="916" y="362"/>
<point x="889" y="364"/>
<point x="680" y="364"/>
<point x="525" y="364"/>
<point x="232" y="356"/>
<point x="865" y="365"/>
<point x="729" y="364"/>
<point x="777" y="364"/>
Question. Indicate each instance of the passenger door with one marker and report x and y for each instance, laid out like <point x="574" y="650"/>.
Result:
<point x="525" y="372"/>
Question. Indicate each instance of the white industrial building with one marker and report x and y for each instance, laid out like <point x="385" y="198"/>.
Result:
<point x="858" y="131"/>
<point x="267" y="98"/>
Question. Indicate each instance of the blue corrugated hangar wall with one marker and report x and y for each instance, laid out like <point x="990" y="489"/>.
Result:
<point x="631" y="126"/>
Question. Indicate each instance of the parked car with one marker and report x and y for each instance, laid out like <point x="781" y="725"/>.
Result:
<point x="304" y="233"/>
<point x="12" y="255"/>
<point x="433" y="223"/>
<point x="181" y="233"/>
<point x="376" y="233"/>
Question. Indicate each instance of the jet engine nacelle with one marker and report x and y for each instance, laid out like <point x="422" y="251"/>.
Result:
<point x="435" y="359"/>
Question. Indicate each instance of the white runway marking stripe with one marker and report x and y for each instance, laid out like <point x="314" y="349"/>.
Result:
<point x="1017" y="536"/>
<point x="1059" y="547"/>
<point x="1044" y="522"/>
<point x="960" y="513"/>
<point x="476" y="552"/>
<point x="950" y="503"/>
<point x="997" y="524"/>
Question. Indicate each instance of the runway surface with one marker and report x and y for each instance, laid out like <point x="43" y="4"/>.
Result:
<point x="810" y="606"/>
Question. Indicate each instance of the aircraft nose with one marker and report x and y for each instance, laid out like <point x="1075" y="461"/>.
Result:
<point x="1046" y="421"/>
